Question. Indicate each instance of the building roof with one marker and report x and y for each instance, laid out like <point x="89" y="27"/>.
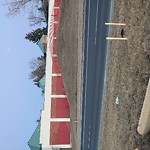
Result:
<point x="43" y="43"/>
<point x="34" y="142"/>
<point x="42" y="83"/>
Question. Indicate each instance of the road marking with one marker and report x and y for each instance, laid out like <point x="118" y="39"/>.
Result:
<point x="90" y="126"/>
<point x="96" y="20"/>
<point x="88" y="146"/>
<point x="89" y="132"/>
<point x="115" y="38"/>
<point x="115" y="24"/>
<point x="86" y="72"/>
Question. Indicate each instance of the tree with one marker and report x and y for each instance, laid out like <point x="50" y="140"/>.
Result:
<point x="35" y="9"/>
<point x="36" y="19"/>
<point x="44" y="8"/>
<point x="35" y="35"/>
<point x="38" y="69"/>
<point x="40" y="15"/>
<point x="15" y="6"/>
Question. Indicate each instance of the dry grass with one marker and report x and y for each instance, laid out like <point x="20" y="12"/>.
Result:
<point x="127" y="78"/>
<point x="128" y="72"/>
<point x="69" y="50"/>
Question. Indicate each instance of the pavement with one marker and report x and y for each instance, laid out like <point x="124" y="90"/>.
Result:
<point x="95" y="50"/>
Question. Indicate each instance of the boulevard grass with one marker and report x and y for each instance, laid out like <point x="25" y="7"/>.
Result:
<point x="127" y="77"/>
<point x="69" y="51"/>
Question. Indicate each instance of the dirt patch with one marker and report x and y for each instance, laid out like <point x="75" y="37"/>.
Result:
<point x="69" y="51"/>
<point x="127" y="77"/>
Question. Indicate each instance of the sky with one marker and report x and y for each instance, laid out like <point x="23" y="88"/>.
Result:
<point x="20" y="100"/>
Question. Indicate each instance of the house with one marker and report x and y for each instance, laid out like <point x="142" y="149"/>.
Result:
<point x="42" y="83"/>
<point x="34" y="142"/>
<point x="55" y="116"/>
<point x="53" y="132"/>
<point x="43" y="43"/>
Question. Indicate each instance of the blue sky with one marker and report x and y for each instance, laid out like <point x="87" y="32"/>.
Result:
<point x="21" y="101"/>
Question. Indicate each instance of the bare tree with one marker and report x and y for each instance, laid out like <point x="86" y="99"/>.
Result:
<point x="16" y="6"/>
<point x="36" y="19"/>
<point x="38" y="69"/>
<point x="37" y="10"/>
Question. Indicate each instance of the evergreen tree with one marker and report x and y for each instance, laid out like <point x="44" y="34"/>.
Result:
<point x="35" y="35"/>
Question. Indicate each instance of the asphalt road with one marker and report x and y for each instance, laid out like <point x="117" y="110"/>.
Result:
<point x="96" y="14"/>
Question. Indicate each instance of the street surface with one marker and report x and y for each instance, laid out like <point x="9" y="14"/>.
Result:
<point x="95" y="48"/>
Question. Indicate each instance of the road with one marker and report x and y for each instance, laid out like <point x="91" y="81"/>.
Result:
<point x="95" y="48"/>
